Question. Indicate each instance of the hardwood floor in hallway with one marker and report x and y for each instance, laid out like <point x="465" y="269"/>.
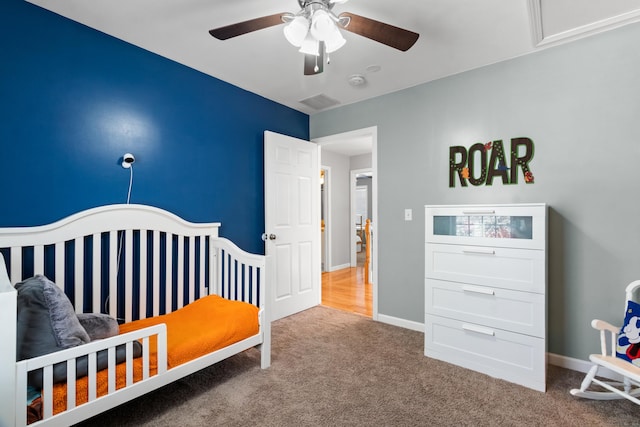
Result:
<point x="345" y="290"/>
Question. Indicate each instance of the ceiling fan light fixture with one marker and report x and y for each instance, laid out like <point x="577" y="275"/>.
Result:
<point x="310" y="46"/>
<point x="296" y="31"/>
<point x="322" y="25"/>
<point x="335" y="41"/>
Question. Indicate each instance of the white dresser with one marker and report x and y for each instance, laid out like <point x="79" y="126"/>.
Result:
<point x="485" y="289"/>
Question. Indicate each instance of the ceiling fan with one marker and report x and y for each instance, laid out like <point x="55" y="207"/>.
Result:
<point x="315" y="29"/>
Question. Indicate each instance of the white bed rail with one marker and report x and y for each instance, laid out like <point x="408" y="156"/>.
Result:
<point x="69" y="356"/>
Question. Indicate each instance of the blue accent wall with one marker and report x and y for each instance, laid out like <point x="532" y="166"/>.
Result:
<point x="74" y="100"/>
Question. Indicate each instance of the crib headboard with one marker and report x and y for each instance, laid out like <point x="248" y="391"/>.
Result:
<point x="131" y="261"/>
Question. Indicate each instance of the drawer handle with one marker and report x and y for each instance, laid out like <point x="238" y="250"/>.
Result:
<point x="479" y="251"/>
<point x="478" y="329"/>
<point x="478" y="290"/>
<point x="479" y="212"/>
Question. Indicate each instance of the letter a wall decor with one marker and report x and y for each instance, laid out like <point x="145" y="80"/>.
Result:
<point x="482" y="164"/>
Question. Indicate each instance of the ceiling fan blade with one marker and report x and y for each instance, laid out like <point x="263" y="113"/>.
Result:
<point x="314" y="64"/>
<point x="240" y="28"/>
<point x="390" y="35"/>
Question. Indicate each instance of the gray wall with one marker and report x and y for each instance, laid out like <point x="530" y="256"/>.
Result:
<point x="339" y="205"/>
<point x="362" y="161"/>
<point x="580" y="104"/>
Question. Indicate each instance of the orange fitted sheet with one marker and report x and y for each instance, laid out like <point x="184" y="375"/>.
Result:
<point x="204" y="326"/>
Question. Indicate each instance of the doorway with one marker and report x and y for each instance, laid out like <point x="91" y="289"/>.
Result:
<point x="340" y="192"/>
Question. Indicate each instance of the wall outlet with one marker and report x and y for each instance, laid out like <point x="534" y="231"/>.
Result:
<point x="408" y="214"/>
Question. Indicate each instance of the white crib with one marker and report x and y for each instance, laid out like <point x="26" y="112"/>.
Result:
<point x="132" y="262"/>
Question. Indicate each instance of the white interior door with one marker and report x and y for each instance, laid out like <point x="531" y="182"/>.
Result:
<point x="292" y="222"/>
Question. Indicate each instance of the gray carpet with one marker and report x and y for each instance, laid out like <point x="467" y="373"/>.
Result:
<point x="332" y="368"/>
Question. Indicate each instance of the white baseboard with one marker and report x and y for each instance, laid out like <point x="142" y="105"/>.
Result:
<point x="580" y="366"/>
<point x="566" y="362"/>
<point x="569" y="362"/>
<point x="403" y="323"/>
<point x="339" y="267"/>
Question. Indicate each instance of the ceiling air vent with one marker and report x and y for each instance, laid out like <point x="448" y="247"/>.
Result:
<point x="320" y="102"/>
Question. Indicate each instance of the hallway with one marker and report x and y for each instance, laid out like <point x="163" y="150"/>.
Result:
<point x="345" y="290"/>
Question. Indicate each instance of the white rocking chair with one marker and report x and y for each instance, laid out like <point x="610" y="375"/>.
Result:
<point x="629" y="388"/>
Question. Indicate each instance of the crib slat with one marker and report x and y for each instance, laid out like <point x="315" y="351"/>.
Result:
<point x="216" y="272"/>
<point x="38" y="259"/>
<point x="16" y="265"/>
<point x="92" y="376"/>
<point x="156" y="273"/>
<point x="71" y="384"/>
<point x="60" y="259"/>
<point x="78" y="269"/>
<point x="192" y="268"/>
<point x="202" y="266"/>
<point x="227" y="271"/>
<point x="111" y="373"/>
<point x="142" y="313"/>
<point x="232" y="278"/>
<point x="129" y="353"/>
<point x="245" y="282"/>
<point x="113" y="274"/>
<point x="227" y="275"/>
<point x="222" y="272"/>
<point x="180" y="271"/>
<point x="254" y="285"/>
<point x="169" y="274"/>
<point x="47" y="392"/>
<point x="128" y="275"/>
<point x="161" y="349"/>
<point x="97" y="257"/>
<point x="222" y="281"/>
<point x="145" y="358"/>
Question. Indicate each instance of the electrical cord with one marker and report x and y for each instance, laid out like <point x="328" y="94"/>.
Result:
<point x="130" y="183"/>
<point x="106" y="302"/>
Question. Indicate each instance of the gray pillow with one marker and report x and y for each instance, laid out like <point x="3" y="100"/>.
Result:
<point x="44" y="313"/>
<point x="98" y="325"/>
<point x="66" y="326"/>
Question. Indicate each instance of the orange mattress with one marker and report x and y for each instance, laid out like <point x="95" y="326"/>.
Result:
<point x="206" y="325"/>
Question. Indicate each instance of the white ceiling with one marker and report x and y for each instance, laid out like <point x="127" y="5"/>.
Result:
<point x="455" y="36"/>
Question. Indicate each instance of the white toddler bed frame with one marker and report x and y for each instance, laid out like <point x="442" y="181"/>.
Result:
<point x="136" y="262"/>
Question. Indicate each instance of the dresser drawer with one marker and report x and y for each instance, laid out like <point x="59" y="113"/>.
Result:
<point x="522" y="312"/>
<point x="514" y="357"/>
<point x="507" y="268"/>
<point x="511" y="226"/>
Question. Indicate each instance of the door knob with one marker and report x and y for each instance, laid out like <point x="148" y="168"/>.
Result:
<point x="272" y="237"/>
<point x="266" y="236"/>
